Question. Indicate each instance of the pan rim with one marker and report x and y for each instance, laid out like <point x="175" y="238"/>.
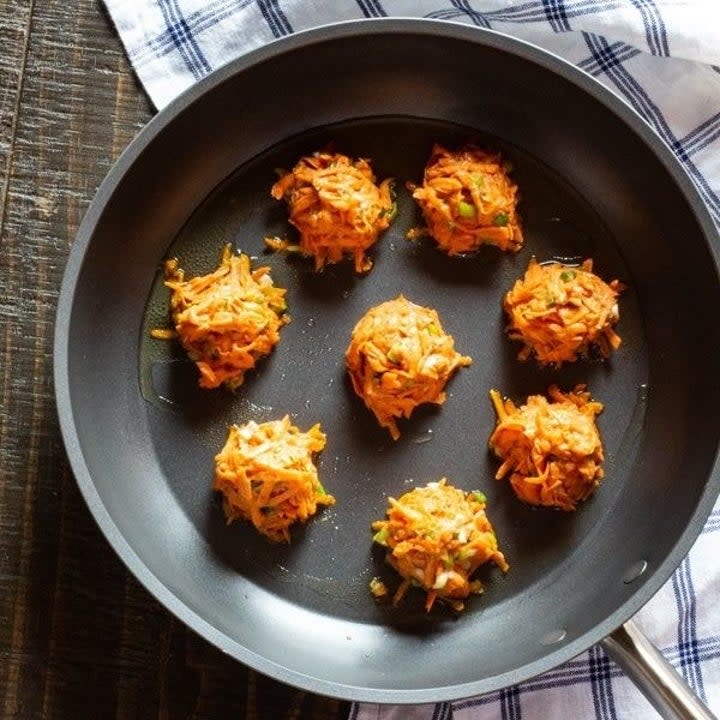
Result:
<point x="86" y="233"/>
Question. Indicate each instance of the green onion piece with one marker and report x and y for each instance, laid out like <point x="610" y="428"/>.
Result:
<point x="479" y="496"/>
<point x="433" y="329"/>
<point x="465" y="554"/>
<point x="501" y="219"/>
<point x="566" y="275"/>
<point x="381" y="536"/>
<point x="478" y="179"/>
<point x="466" y="209"/>
<point x="390" y="212"/>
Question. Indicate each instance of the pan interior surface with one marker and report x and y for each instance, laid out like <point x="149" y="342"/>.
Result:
<point x="146" y="435"/>
<point x="330" y="563"/>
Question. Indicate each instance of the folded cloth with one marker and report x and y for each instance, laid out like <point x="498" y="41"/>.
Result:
<point x="660" y="56"/>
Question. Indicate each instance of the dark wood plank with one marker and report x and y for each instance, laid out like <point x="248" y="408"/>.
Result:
<point x="61" y="609"/>
<point x="79" y="637"/>
<point x="14" y="34"/>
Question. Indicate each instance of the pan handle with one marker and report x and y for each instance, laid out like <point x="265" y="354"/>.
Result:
<point x="655" y="677"/>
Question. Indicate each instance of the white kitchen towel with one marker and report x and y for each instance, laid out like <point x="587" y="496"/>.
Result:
<point x="661" y="57"/>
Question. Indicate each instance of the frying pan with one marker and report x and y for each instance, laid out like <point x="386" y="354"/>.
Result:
<point x="595" y="182"/>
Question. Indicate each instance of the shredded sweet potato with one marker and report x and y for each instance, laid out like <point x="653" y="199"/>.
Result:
<point x="336" y="207"/>
<point x="468" y="199"/>
<point x="225" y="320"/>
<point x="436" y="537"/>
<point x="266" y="475"/>
<point x="399" y="357"/>
<point x="561" y="312"/>
<point x="551" y="449"/>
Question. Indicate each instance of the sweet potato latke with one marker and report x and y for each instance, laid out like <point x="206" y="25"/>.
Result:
<point x="266" y="475"/>
<point x="552" y="450"/>
<point x="561" y="312"/>
<point x="226" y="320"/>
<point x="336" y="207"/>
<point x="468" y="200"/>
<point x="436" y="537"/>
<point x="399" y="357"/>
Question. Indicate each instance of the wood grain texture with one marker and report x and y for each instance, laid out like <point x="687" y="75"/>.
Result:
<point x="14" y="36"/>
<point x="79" y="637"/>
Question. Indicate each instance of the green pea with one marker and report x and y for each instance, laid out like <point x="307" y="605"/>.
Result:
<point x="466" y="209"/>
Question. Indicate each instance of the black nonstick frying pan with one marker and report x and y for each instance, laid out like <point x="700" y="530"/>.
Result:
<point x="595" y="182"/>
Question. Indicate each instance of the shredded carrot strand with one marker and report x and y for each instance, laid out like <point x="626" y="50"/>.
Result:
<point x="226" y="320"/>
<point x="399" y="357"/>
<point x="336" y="207"/>
<point x="561" y="312"/>
<point x="550" y="448"/>
<point x="436" y="537"/>
<point x="468" y="199"/>
<point x="266" y="475"/>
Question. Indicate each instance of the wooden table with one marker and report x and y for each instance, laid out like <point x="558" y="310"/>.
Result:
<point x="79" y="637"/>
